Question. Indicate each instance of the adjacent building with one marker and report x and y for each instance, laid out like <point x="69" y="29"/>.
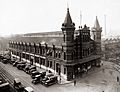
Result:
<point x="68" y="52"/>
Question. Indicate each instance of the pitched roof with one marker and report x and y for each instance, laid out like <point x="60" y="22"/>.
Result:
<point x="56" y="40"/>
<point x="96" y="25"/>
<point x="68" y="19"/>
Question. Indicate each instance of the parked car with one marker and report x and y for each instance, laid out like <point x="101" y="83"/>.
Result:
<point x="38" y="78"/>
<point x="42" y="74"/>
<point x="1" y="57"/>
<point x="32" y="70"/>
<point x="34" y="73"/>
<point x="51" y="80"/>
<point x="21" y="66"/>
<point x="12" y="60"/>
<point x="18" y="62"/>
<point x="5" y="61"/>
<point x="32" y="67"/>
<point x="46" y="78"/>
<point x="28" y="89"/>
<point x="28" y="68"/>
<point x="17" y="85"/>
<point x="5" y="87"/>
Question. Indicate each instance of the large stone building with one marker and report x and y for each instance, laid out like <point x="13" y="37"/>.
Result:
<point x="67" y="53"/>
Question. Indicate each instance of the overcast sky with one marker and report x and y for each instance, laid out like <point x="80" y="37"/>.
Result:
<point x="26" y="16"/>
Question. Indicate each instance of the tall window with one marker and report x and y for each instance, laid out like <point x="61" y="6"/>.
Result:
<point x="50" y="64"/>
<point x="64" y="37"/>
<point x="56" y="54"/>
<point x="64" y="55"/>
<point x="64" y="70"/>
<point x="59" y="55"/>
<point x="94" y="36"/>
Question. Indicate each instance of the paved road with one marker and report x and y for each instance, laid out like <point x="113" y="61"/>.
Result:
<point x="95" y="81"/>
<point x="26" y="79"/>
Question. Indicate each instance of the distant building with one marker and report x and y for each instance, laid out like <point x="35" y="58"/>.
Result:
<point x="67" y="53"/>
<point x="111" y="49"/>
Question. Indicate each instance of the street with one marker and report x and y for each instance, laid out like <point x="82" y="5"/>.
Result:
<point x="101" y="79"/>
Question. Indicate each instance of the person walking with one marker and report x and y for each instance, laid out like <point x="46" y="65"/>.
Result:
<point x="117" y="79"/>
<point x="74" y="82"/>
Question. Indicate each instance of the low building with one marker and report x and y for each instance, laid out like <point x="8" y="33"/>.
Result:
<point x="67" y="53"/>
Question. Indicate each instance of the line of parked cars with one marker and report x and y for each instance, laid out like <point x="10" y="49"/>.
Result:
<point x="42" y="77"/>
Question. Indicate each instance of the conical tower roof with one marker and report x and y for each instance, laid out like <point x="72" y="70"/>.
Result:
<point x="96" y="25"/>
<point x="68" y="20"/>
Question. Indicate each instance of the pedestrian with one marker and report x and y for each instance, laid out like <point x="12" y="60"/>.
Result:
<point x="117" y="79"/>
<point x="74" y="82"/>
<point x="103" y="70"/>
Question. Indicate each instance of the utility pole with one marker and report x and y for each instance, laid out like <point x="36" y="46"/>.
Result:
<point x="105" y="23"/>
<point x="80" y="18"/>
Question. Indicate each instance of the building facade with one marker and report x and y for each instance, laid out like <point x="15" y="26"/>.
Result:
<point x="68" y="53"/>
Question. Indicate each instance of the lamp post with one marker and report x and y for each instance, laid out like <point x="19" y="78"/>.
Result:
<point x="59" y="67"/>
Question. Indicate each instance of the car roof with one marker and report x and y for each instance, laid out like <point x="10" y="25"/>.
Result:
<point x="29" y="89"/>
<point x="42" y="71"/>
<point x="35" y="72"/>
<point x="49" y="74"/>
<point x="32" y="66"/>
<point x="17" y="80"/>
<point x="53" y="77"/>
<point x="37" y="76"/>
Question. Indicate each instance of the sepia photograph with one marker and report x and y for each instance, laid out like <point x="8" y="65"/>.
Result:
<point x="59" y="46"/>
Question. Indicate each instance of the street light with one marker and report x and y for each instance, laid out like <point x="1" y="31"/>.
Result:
<point x="59" y="67"/>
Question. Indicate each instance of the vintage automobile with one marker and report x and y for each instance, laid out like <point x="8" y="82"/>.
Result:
<point x="18" y="62"/>
<point x="34" y="73"/>
<point x="21" y="66"/>
<point x="38" y="78"/>
<point x="28" y="89"/>
<point x="12" y="60"/>
<point x="32" y="70"/>
<point x="46" y="77"/>
<point x="17" y="85"/>
<point x="50" y="81"/>
<point x="5" y="87"/>
<point x="28" y="68"/>
<point x="5" y="61"/>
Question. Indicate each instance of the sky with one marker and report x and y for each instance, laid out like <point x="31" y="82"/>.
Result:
<point x="30" y="16"/>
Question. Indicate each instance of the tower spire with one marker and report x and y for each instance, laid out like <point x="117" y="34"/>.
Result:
<point x="68" y="20"/>
<point x="97" y="25"/>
